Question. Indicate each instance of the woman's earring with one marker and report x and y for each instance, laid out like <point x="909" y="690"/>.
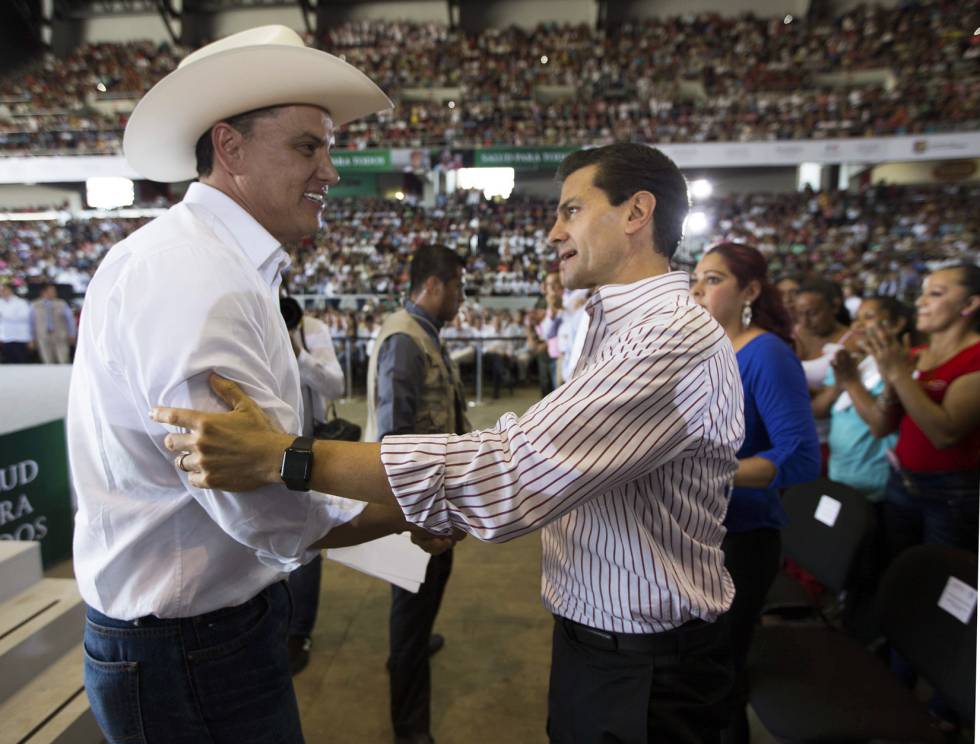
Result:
<point x="746" y="315"/>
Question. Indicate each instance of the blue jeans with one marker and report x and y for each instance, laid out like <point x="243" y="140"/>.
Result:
<point x="222" y="677"/>
<point x="304" y="586"/>
<point x="932" y="508"/>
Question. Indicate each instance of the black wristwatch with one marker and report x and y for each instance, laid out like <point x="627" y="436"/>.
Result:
<point x="297" y="464"/>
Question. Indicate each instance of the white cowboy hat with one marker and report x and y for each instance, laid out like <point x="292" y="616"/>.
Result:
<point x="265" y="66"/>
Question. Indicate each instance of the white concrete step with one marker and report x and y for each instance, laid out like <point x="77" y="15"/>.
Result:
<point x="20" y="566"/>
<point x="37" y="627"/>
<point x="52" y="708"/>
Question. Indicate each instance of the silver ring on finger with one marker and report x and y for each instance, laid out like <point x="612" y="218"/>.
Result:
<point x="180" y="461"/>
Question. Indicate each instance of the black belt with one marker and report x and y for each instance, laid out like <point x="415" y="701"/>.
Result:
<point x="152" y="621"/>
<point x="673" y="639"/>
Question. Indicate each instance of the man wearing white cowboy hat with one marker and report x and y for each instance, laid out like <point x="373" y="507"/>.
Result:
<point x="187" y="610"/>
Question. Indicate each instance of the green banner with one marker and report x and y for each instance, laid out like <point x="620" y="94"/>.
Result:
<point x="355" y="184"/>
<point x="521" y="158"/>
<point x="35" y="501"/>
<point x="363" y="161"/>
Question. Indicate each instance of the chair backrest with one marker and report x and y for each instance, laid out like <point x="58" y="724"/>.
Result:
<point x="939" y="645"/>
<point x="827" y="522"/>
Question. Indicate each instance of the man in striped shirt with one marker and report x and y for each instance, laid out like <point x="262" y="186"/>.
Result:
<point x="626" y="468"/>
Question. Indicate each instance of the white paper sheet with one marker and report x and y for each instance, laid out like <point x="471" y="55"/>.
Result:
<point x="828" y="509"/>
<point x="394" y="558"/>
<point x="959" y="599"/>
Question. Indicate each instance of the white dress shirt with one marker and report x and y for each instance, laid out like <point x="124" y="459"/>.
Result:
<point x="15" y="320"/>
<point x="628" y="467"/>
<point x="195" y="290"/>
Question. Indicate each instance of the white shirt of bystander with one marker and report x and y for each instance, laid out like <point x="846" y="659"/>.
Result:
<point x="15" y="320"/>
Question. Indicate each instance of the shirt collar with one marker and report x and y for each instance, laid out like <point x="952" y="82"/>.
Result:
<point x="618" y="304"/>
<point x="262" y="250"/>
<point x="416" y="310"/>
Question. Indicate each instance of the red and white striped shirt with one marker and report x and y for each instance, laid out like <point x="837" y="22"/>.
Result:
<point x="627" y="467"/>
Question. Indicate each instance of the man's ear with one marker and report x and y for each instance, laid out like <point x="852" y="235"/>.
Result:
<point x="640" y="214"/>
<point x="432" y="286"/>
<point x="228" y="144"/>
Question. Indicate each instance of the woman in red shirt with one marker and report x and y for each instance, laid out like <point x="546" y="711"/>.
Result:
<point x="933" y="399"/>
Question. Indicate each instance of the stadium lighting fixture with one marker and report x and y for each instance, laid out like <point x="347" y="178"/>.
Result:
<point x="696" y="223"/>
<point x="400" y="195"/>
<point x="788" y="19"/>
<point x="544" y="59"/>
<point x="701" y="188"/>
<point x="491" y="181"/>
<point x="109" y="192"/>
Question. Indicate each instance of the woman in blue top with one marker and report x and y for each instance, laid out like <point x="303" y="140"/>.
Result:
<point x="780" y="447"/>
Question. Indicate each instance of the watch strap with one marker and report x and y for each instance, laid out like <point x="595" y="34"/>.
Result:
<point x="292" y="458"/>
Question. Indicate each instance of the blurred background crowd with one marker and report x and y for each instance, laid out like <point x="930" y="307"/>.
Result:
<point x="869" y="71"/>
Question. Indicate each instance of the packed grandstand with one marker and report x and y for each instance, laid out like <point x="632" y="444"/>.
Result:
<point x="705" y="78"/>
<point x="871" y="71"/>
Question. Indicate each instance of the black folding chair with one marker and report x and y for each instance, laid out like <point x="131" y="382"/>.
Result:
<point x="811" y="683"/>
<point x="828" y="523"/>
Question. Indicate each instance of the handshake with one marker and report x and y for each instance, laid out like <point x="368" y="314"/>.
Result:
<point x="432" y="543"/>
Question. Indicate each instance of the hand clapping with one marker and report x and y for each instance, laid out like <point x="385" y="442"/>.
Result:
<point x="893" y="358"/>
<point x="845" y="367"/>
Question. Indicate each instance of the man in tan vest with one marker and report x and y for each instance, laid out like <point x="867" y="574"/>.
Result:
<point x="414" y="388"/>
<point x="52" y="327"/>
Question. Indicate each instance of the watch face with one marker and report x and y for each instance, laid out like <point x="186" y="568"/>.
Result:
<point x="296" y="465"/>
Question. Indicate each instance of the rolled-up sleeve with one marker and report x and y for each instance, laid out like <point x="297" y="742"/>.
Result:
<point x="401" y="375"/>
<point x="621" y="417"/>
<point x="169" y="364"/>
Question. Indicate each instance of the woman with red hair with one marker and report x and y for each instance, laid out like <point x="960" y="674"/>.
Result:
<point x="780" y="447"/>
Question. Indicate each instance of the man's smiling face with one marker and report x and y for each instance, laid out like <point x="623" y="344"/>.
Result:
<point x="287" y="170"/>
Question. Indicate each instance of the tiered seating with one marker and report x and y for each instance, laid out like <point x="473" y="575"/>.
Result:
<point x="42" y="697"/>
<point x="871" y="71"/>
<point x="879" y="238"/>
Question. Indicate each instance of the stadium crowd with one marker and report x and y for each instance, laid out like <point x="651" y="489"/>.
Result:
<point x="870" y="71"/>
<point x="879" y="239"/>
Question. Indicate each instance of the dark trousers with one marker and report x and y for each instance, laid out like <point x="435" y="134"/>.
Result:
<point x="674" y="692"/>
<point x="499" y="366"/>
<point x="304" y="586"/>
<point x="15" y="352"/>
<point x="752" y="559"/>
<point x="931" y="508"/>
<point x="409" y="627"/>
<point x="546" y="372"/>
<point x="222" y="677"/>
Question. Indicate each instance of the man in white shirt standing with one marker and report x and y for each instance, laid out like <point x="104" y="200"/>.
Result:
<point x="15" y="327"/>
<point x="187" y="608"/>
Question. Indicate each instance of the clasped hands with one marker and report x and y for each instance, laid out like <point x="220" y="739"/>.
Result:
<point x="891" y="355"/>
<point x="241" y="450"/>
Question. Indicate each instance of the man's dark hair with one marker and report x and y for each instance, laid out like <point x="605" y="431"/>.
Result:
<point x="433" y="260"/>
<point x="626" y="168"/>
<point x="244" y="123"/>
